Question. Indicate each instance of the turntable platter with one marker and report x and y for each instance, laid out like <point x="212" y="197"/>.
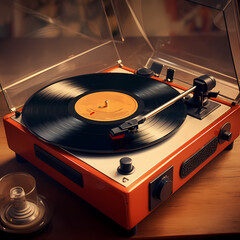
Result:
<point x="78" y="113"/>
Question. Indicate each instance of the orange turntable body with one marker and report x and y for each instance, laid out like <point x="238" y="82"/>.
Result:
<point x="172" y="49"/>
<point x="104" y="193"/>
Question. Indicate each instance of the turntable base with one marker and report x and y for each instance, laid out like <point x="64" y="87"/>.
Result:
<point x="153" y="174"/>
<point x="207" y="206"/>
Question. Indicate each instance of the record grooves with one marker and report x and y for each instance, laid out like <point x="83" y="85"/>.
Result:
<point x="78" y="113"/>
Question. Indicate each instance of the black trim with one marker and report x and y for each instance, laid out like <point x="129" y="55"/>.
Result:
<point x="154" y="190"/>
<point x="58" y="165"/>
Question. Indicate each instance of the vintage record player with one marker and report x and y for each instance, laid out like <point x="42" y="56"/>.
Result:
<point x="123" y="101"/>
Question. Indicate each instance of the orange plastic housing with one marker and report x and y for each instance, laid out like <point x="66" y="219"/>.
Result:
<point x="104" y="193"/>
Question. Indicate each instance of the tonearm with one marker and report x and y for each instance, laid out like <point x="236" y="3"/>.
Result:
<point x="201" y="92"/>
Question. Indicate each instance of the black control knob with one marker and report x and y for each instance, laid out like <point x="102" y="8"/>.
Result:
<point x="17" y="114"/>
<point x="225" y="134"/>
<point x="146" y="72"/>
<point x="126" y="166"/>
<point x="164" y="189"/>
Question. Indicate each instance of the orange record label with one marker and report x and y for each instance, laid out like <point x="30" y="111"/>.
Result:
<point x="106" y="106"/>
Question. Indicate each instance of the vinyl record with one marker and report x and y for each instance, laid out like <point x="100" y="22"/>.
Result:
<point x="78" y="113"/>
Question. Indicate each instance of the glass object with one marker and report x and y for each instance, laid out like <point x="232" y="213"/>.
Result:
<point x="21" y="208"/>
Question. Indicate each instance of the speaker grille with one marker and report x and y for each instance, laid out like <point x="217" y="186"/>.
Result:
<point x="198" y="158"/>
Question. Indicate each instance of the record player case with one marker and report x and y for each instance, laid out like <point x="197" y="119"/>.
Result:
<point x="171" y="163"/>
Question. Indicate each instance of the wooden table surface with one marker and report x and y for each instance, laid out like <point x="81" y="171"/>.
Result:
<point x="206" y="207"/>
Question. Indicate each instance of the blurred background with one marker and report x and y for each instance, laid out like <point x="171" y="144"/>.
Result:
<point x="42" y="41"/>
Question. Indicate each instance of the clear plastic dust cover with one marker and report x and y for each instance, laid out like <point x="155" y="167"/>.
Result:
<point x="45" y="41"/>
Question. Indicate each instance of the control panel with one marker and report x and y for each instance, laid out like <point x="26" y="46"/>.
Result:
<point x="160" y="188"/>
